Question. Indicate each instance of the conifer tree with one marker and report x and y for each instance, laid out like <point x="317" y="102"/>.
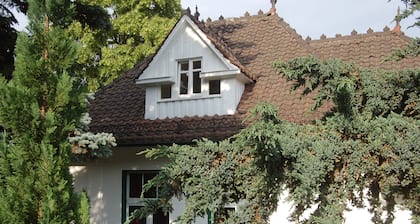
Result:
<point x="39" y="107"/>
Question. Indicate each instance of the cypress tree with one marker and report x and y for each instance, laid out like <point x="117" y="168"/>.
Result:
<point x="39" y="107"/>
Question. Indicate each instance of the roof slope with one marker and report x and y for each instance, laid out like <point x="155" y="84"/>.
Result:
<point x="368" y="50"/>
<point x="253" y="43"/>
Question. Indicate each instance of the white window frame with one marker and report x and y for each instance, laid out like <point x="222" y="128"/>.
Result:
<point x="136" y="201"/>
<point x="190" y="75"/>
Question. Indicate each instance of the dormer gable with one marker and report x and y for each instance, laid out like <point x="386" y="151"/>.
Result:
<point x="190" y="76"/>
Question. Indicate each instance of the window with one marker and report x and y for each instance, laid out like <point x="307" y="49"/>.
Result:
<point x="166" y="91"/>
<point x="133" y="182"/>
<point x="183" y="88"/>
<point x="189" y="77"/>
<point x="214" y="87"/>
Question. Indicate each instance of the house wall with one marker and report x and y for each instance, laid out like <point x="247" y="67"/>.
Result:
<point x="223" y="104"/>
<point x="102" y="180"/>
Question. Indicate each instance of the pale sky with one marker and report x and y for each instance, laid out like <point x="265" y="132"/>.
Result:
<point x="314" y="17"/>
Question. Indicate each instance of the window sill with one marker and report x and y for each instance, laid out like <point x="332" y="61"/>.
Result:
<point x="189" y="98"/>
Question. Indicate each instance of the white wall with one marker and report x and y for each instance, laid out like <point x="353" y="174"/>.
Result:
<point x="188" y="42"/>
<point x="223" y="104"/>
<point x="103" y="181"/>
<point x="354" y="216"/>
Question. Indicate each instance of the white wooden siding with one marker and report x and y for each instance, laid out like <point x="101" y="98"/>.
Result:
<point x="188" y="42"/>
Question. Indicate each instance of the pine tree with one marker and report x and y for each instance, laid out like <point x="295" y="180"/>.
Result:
<point x="39" y="107"/>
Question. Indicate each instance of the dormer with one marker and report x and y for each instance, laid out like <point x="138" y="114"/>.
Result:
<point x="189" y="76"/>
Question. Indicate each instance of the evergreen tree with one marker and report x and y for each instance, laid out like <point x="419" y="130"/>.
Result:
<point x="39" y="107"/>
<point x="368" y="142"/>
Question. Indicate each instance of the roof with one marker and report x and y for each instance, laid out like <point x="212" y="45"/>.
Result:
<point x="252" y="43"/>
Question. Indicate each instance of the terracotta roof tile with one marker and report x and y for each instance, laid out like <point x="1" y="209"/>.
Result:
<point x="252" y="43"/>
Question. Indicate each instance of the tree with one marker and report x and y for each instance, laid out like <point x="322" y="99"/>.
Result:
<point x="8" y="35"/>
<point x="412" y="6"/>
<point x="110" y="46"/>
<point x="47" y="101"/>
<point x="139" y="27"/>
<point x="369" y="141"/>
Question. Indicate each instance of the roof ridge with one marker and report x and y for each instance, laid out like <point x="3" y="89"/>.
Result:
<point x="246" y="15"/>
<point x="219" y="43"/>
<point x="292" y="31"/>
<point x="386" y="31"/>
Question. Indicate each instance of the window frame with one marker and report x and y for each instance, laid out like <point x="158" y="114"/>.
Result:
<point x="128" y="201"/>
<point x="191" y="74"/>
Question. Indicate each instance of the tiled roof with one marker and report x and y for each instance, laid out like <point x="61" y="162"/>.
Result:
<point x="252" y="43"/>
<point x="370" y="49"/>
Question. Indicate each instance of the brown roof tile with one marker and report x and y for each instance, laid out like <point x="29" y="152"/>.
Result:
<point x="252" y="43"/>
<point x="369" y="50"/>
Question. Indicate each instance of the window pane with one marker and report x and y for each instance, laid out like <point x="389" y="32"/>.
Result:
<point x="183" y="89"/>
<point x="184" y="66"/>
<point x="214" y="87"/>
<point x="166" y="91"/>
<point x="135" y="185"/>
<point x="152" y="193"/>
<point x="160" y="218"/>
<point x="196" y="82"/>
<point x="196" y="64"/>
<point x="136" y="221"/>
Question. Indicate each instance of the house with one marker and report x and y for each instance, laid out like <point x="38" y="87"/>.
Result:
<point x="201" y="83"/>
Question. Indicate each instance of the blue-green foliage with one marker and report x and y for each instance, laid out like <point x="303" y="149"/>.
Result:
<point x="368" y="143"/>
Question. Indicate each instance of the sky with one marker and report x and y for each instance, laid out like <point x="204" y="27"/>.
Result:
<point x="314" y="17"/>
<point x="311" y="17"/>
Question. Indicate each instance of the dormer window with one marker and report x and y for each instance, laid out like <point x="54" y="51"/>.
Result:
<point x="166" y="91"/>
<point x="189" y="76"/>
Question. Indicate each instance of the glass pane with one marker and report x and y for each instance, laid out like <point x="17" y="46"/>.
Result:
<point x="196" y="82"/>
<point x="135" y="185"/>
<point x="184" y="66"/>
<point x="183" y="88"/>
<point x="165" y="91"/>
<point x="214" y="87"/>
<point x="136" y="221"/>
<point x="196" y="64"/>
<point x="152" y="193"/>
<point x="160" y="218"/>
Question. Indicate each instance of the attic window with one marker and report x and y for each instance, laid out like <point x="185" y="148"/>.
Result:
<point x="166" y="91"/>
<point x="214" y="87"/>
<point x="189" y="77"/>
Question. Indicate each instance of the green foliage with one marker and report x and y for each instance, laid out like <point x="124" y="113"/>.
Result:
<point x="413" y="50"/>
<point x="369" y="143"/>
<point x="245" y="170"/>
<point x="412" y="7"/>
<point x="83" y="210"/>
<point x="40" y="106"/>
<point x="136" y="30"/>
<point x="374" y="147"/>
<point x="139" y="29"/>
<point x="109" y="45"/>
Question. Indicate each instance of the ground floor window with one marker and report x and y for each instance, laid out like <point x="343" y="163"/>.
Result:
<point x="133" y="182"/>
